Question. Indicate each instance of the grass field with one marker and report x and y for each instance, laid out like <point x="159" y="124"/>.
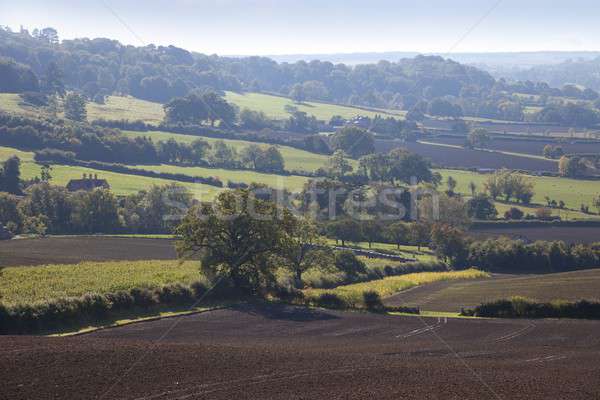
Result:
<point x="121" y="184"/>
<point x="394" y="284"/>
<point x="274" y="107"/>
<point x="452" y="296"/>
<point x="130" y="108"/>
<point x="573" y="192"/>
<point x="24" y="285"/>
<point x="295" y="159"/>
<point x="293" y="183"/>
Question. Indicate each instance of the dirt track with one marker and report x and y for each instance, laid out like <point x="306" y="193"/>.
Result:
<point x="276" y="352"/>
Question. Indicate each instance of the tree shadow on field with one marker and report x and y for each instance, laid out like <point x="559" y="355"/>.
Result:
<point x="283" y="312"/>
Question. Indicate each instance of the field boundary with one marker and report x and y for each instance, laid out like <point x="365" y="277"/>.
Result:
<point x="88" y="330"/>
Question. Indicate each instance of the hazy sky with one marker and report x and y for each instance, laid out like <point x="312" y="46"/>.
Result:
<point x="311" y="26"/>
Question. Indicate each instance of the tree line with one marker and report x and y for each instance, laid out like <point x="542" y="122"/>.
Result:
<point x="425" y="84"/>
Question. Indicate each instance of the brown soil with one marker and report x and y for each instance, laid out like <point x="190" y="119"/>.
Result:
<point x="70" y="250"/>
<point x="279" y="352"/>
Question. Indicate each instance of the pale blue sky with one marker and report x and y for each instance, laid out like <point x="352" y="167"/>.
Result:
<point x="311" y="26"/>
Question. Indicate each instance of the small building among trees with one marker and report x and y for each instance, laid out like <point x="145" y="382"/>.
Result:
<point x="88" y="183"/>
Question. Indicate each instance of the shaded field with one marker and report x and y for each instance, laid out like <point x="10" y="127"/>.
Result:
<point x="42" y="283"/>
<point x="452" y="296"/>
<point x="278" y="352"/>
<point x="73" y="250"/>
<point x="568" y="234"/>
<point x="467" y="158"/>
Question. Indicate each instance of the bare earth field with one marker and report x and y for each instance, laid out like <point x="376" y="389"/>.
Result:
<point x="67" y="250"/>
<point x="452" y="296"/>
<point x="568" y="234"/>
<point x="279" y="352"/>
<point x="452" y="157"/>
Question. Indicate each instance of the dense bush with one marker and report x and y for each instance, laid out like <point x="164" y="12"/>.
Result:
<point x="89" y="308"/>
<point x="506" y="255"/>
<point x="328" y="300"/>
<point x="519" y="307"/>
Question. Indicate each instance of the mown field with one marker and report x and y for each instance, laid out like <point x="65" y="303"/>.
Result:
<point x="24" y="285"/>
<point x="295" y="159"/>
<point x="452" y="296"/>
<point x="131" y="108"/>
<point x="573" y="192"/>
<point x="274" y="107"/>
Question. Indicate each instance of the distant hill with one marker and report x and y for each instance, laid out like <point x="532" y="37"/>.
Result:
<point x="487" y="61"/>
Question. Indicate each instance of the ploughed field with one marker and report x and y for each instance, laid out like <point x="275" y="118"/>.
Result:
<point x="75" y="249"/>
<point x="281" y="352"/>
<point x="524" y="146"/>
<point x="567" y="234"/>
<point x="452" y="157"/>
<point x="452" y="296"/>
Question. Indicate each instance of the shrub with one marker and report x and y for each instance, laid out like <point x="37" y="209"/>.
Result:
<point x="520" y="307"/>
<point x="329" y="300"/>
<point x="174" y="294"/>
<point x="373" y="301"/>
<point x="143" y="297"/>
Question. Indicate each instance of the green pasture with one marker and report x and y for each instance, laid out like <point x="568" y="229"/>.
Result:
<point x="574" y="192"/>
<point x="295" y="159"/>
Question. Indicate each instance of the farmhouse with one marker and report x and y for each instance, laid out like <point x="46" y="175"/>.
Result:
<point x="87" y="183"/>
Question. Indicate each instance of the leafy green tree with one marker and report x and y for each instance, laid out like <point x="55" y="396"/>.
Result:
<point x="372" y="231"/>
<point x="200" y="148"/>
<point x="53" y="202"/>
<point x="222" y="155"/>
<point x="52" y="82"/>
<point x="348" y="263"/>
<point x="406" y="167"/>
<point x="337" y="165"/>
<point x="10" y="176"/>
<point x="451" y="184"/>
<point x="597" y="203"/>
<point x="190" y="109"/>
<point x="218" y="109"/>
<point x="481" y="207"/>
<point x="255" y="120"/>
<point x="297" y="93"/>
<point x="75" y="107"/>
<point x="572" y="167"/>
<point x="478" y="137"/>
<point x="473" y="188"/>
<point x="450" y="244"/>
<point x="398" y="233"/>
<point x="95" y="212"/>
<point x="353" y="141"/>
<point x="303" y="249"/>
<point x="514" y="213"/>
<point x="344" y="230"/>
<point x="10" y="216"/>
<point x="419" y="234"/>
<point x="233" y="235"/>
